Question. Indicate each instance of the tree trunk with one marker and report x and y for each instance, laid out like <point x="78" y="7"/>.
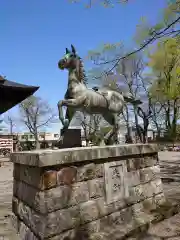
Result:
<point x="145" y="132"/>
<point x="138" y="132"/>
<point x="37" y="144"/>
<point x="127" y="124"/>
<point x="37" y="141"/>
<point x="11" y="129"/>
<point x="168" y="112"/>
<point x="174" y="121"/>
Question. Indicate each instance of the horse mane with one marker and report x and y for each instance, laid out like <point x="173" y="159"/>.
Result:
<point x="81" y="72"/>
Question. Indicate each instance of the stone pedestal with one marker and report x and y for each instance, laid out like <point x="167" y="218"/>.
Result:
<point x="85" y="193"/>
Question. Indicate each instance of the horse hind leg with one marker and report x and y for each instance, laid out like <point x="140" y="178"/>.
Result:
<point x="68" y="117"/>
<point x="113" y="133"/>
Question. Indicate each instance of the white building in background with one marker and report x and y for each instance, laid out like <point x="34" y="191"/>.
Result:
<point x="49" y="137"/>
<point x="42" y="136"/>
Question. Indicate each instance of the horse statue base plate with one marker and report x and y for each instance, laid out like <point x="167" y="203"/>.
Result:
<point x="70" y="138"/>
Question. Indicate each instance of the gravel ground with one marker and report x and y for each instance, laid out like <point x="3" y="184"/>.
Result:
<point x="6" y="185"/>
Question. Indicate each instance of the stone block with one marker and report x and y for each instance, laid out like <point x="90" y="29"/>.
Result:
<point x="154" y="202"/>
<point x="79" y="193"/>
<point x="30" y="195"/>
<point x="148" y="190"/>
<point x="99" y="170"/>
<point x="28" y="174"/>
<point x="25" y="233"/>
<point x="14" y="222"/>
<point x="86" y="172"/>
<point x="104" y="222"/>
<point x="68" y="235"/>
<point x="51" y="224"/>
<point x="157" y="186"/>
<point x="96" y="188"/>
<point x="141" y="162"/>
<point x="136" y="194"/>
<point x="52" y="199"/>
<point x="149" y="161"/>
<point x="126" y="215"/>
<point x="137" y="207"/>
<point x="62" y="220"/>
<point x="49" y="179"/>
<point x="66" y="176"/>
<point x="34" y="176"/>
<point x="15" y="202"/>
<point x="141" y="218"/>
<point x="105" y="209"/>
<point x="143" y="191"/>
<point x="99" y="236"/>
<point x="88" y="212"/>
<point x="81" y="232"/>
<point x="35" y="221"/>
<point x="90" y="171"/>
<point x="55" y="199"/>
<point x="132" y="178"/>
<point x="149" y="173"/>
<point x="114" y="219"/>
<point x="160" y="200"/>
<point x="91" y="227"/>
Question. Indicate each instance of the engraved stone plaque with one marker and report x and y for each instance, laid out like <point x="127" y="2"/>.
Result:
<point x="115" y="185"/>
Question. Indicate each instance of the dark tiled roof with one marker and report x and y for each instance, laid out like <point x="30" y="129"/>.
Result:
<point x="12" y="93"/>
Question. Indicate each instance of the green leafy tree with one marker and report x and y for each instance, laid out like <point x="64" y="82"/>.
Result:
<point x="165" y="65"/>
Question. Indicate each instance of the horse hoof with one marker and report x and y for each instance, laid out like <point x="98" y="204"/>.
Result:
<point x="66" y="123"/>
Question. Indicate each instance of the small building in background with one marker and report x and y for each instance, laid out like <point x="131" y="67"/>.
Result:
<point x="46" y="139"/>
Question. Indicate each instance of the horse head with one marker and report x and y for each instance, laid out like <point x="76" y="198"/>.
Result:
<point x="69" y="60"/>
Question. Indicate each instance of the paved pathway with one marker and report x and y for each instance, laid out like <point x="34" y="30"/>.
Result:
<point x="168" y="229"/>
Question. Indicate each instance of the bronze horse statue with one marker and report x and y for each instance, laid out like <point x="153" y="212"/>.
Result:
<point x="78" y="97"/>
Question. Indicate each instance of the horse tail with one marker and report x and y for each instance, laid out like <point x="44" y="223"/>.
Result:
<point x="130" y="99"/>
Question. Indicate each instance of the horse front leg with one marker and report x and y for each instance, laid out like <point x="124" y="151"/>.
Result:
<point x="60" y="110"/>
<point x="71" y="103"/>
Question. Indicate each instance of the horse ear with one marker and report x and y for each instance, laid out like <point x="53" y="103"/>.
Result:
<point x="67" y="51"/>
<point x="73" y="49"/>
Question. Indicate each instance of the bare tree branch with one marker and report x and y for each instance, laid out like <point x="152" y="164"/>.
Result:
<point x="155" y="36"/>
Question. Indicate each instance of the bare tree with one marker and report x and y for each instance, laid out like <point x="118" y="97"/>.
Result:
<point x="105" y="3"/>
<point x="35" y="113"/>
<point x="90" y="124"/>
<point x="126" y="78"/>
<point x="11" y="121"/>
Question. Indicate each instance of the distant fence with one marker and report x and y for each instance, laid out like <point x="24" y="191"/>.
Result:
<point x="6" y="143"/>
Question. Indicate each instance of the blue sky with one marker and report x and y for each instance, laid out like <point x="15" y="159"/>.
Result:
<point x="34" y="35"/>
